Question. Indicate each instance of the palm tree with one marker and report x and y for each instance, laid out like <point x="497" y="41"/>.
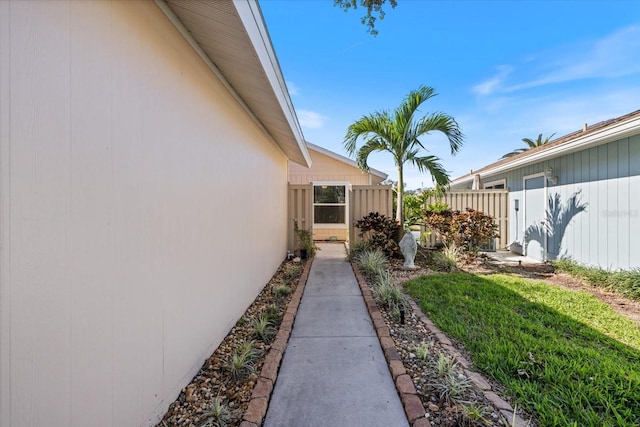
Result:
<point x="530" y="143"/>
<point x="399" y="134"/>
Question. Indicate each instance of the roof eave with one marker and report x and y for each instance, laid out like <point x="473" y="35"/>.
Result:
<point x="593" y="139"/>
<point x="285" y="131"/>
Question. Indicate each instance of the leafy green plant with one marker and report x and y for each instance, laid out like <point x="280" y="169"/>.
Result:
<point x="291" y="271"/>
<point x="452" y="387"/>
<point x="263" y="328"/>
<point x="390" y="297"/>
<point x="424" y="350"/>
<point x="282" y="291"/>
<point x="438" y="207"/>
<point x="305" y="239"/>
<point x="448" y="258"/>
<point x="475" y="414"/>
<point x="380" y="232"/>
<point x="240" y="363"/>
<point x="357" y="247"/>
<point x="467" y="230"/>
<point x="218" y="414"/>
<point x="372" y="261"/>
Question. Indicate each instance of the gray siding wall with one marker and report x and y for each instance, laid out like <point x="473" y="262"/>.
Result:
<point x="606" y="181"/>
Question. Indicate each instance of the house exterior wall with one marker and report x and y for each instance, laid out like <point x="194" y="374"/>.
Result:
<point x="324" y="168"/>
<point x="124" y="229"/>
<point x="605" y="181"/>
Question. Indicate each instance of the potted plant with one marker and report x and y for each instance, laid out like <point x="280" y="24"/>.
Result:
<point x="305" y="241"/>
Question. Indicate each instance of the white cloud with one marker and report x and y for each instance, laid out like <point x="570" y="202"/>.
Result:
<point x="616" y="55"/>
<point x="490" y="86"/>
<point x="311" y="119"/>
<point x="293" y="89"/>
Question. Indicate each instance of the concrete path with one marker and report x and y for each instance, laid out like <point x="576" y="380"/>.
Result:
<point x="333" y="371"/>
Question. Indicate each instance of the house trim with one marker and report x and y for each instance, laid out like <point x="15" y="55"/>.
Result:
<point x="251" y="17"/>
<point x="606" y="134"/>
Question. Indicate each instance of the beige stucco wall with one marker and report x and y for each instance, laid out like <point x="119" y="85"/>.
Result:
<point x="325" y="168"/>
<point x="125" y="231"/>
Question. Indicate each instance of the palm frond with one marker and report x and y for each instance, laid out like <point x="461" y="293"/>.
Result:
<point x="442" y="123"/>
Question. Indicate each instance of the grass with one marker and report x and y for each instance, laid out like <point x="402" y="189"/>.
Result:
<point x="623" y="282"/>
<point x="563" y="356"/>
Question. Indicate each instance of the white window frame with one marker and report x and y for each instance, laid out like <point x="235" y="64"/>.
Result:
<point x="347" y="190"/>
<point x="491" y="185"/>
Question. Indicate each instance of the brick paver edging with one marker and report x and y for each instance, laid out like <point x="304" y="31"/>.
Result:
<point x="404" y="383"/>
<point x="257" y="409"/>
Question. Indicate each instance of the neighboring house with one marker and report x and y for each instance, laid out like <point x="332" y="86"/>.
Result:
<point x="577" y="196"/>
<point x="127" y="224"/>
<point x="332" y="176"/>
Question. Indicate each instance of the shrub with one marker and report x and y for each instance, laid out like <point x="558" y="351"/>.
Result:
<point x="467" y="230"/>
<point x="448" y="258"/>
<point x="380" y="231"/>
<point x="372" y="261"/>
<point x="356" y="248"/>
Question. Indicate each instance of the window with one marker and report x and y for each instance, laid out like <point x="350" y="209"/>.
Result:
<point x="500" y="184"/>
<point x="330" y="204"/>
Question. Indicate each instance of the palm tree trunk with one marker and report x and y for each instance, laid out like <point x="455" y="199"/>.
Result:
<point x="400" y="208"/>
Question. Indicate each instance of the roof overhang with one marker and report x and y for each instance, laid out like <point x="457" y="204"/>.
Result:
<point x="232" y="39"/>
<point x="344" y="159"/>
<point x="599" y="136"/>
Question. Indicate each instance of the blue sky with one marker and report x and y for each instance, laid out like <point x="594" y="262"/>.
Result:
<point x="505" y="70"/>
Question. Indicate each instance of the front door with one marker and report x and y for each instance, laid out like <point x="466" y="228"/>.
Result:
<point x="535" y="235"/>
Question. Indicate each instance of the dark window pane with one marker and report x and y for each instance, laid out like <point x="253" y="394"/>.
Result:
<point x="329" y="214"/>
<point x="329" y="194"/>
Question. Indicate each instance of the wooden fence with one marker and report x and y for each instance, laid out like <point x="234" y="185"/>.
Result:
<point x="362" y="200"/>
<point x="490" y="202"/>
<point x="365" y="199"/>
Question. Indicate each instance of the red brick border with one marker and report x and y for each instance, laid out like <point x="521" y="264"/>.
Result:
<point x="259" y="403"/>
<point x="404" y="384"/>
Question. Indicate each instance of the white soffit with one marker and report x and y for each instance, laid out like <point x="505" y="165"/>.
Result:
<point x="232" y="39"/>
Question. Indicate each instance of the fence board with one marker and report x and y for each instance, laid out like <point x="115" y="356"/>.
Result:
<point x="300" y="209"/>
<point x="489" y="202"/>
<point x="365" y="199"/>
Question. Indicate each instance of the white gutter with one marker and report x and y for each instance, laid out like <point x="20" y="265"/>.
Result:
<point x="603" y="136"/>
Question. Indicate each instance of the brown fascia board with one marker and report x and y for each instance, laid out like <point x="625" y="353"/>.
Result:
<point x="566" y="139"/>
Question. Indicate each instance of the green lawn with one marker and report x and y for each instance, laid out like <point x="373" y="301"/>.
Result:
<point x="564" y="356"/>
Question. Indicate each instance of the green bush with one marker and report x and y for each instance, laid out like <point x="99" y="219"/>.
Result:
<point x="467" y="230"/>
<point x="380" y="232"/>
<point x="372" y="261"/>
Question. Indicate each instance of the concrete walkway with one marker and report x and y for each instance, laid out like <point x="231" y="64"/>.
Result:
<point x="333" y="371"/>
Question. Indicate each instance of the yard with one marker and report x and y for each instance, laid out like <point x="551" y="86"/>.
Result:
<point x="562" y="355"/>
